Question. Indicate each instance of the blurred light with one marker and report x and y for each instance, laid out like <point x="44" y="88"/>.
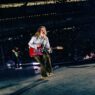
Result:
<point x="9" y="38"/>
<point x="28" y="4"/>
<point x="21" y="36"/>
<point x="36" y="63"/>
<point x="69" y="28"/>
<point x="75" y="0"/>
<point x="23" y="17"/>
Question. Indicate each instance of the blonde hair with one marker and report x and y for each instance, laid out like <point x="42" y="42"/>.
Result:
<point x="38" y="31"/>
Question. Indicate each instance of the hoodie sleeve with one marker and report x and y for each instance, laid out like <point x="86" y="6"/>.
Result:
<point x="31" y="43"/>
<point x="47" y="43"/>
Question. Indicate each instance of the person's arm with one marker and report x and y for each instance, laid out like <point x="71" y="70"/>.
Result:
<point x="48" y="45"/>
<point x="31" y="43"/>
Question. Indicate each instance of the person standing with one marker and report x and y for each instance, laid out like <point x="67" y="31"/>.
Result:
<point x="17" y="57"/>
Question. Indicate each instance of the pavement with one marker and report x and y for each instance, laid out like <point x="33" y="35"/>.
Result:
<point x="67" y="80"/>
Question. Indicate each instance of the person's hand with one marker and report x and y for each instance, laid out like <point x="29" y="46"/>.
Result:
<point x="13" y="50"/>
<point x="38" y="45"/>
<point x="50" y="50"/>
<point x="45" y="37"/>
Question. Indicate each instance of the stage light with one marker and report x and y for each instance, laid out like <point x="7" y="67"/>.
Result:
<point x="9" y="5"/>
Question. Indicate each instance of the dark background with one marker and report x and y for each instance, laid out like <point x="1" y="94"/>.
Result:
<point x="70" y="24"/>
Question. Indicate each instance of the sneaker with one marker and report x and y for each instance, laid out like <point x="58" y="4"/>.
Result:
<point x="44" y="78"/>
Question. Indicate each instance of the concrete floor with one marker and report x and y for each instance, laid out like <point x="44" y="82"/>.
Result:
<point x="70" y="80"/>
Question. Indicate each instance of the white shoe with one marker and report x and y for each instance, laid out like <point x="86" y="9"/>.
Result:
<point x="44" y="78"/>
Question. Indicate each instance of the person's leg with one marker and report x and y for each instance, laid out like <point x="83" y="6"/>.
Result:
<point x="19" y="63"/>
<point x="40" y="59"/>
<point x="16" y="62"/>
<point x="48" y="64"/>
